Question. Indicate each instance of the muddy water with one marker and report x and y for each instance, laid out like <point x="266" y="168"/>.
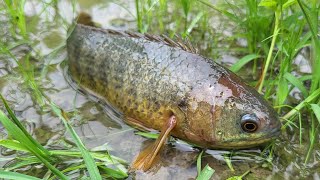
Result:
<point x="96" y="124"/>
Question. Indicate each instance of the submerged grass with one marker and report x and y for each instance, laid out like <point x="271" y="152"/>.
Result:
<point x="22" y="141"/>
<point x="98" y="164"/>
<point x="26" y="142"/>
<point x="15" y="9"/>
<point x="88" y="159"/>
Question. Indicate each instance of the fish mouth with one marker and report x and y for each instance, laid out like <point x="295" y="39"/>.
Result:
<point x="245" y="143"/>
<point x="273" y="134"/>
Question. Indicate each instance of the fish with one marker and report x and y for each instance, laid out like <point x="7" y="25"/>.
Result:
<point x="165" y="85"/>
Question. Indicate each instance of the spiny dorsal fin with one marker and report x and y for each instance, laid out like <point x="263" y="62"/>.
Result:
<point x="177" y="42"/>
<point x="84" y="19"/>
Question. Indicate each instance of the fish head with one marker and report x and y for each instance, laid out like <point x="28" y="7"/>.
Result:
<point x="229" y="114"/>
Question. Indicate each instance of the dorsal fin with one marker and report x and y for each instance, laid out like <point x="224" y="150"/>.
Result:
<point x="177" y="42"/>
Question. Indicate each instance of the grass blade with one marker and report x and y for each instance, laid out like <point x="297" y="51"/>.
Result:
<point x="13" y="144"/>
<point x="239" y="177"/>
<point x="273" y="42"/>
<point x="316" y="110"/>
<point x="282" y="91"/>
<point x="24" y="131"/>
<point x="138" y="15"/>
<point x="199" y="162"/>
<point x="193" y="23"/>
<point x="206" y="173"/>
<point x="243" y="61"/>
<point x="88" y="159"/>
<point x="18" y="134"/>
<point x="15" y="132"/>
<point x="297" y="83"/>
<point x="147" y="135"/>
<point x="24" y="162"/>
<point x="227" y="158"/>
<point x="114" y="173"/>
<point x="224" y="12"/>
<point x="16" y="176"/>
<point x="312" y="16"/>
<point x="296" y="110"/>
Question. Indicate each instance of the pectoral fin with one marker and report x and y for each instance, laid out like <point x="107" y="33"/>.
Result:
<point x="146" y="158"/>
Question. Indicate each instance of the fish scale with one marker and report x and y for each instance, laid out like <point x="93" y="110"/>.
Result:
<point x="151" y="78"/>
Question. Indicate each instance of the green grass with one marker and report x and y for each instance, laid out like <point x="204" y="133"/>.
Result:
<point x="274" y="32"/>
<point x="16" y="176"/>
<point x="26" y="142"/>
<point x="15" y="9"/>
<point x="21" y="140"/>
<point x="205" y="173"/>
<point x="98" y="164"/>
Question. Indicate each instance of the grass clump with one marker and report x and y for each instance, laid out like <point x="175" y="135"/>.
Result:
<point x="21" y="140"/>
<point x="25" y="141"/>
<point x="15" y="9"/>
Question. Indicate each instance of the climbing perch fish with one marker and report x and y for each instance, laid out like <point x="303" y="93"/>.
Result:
<point x="161" y="84"/>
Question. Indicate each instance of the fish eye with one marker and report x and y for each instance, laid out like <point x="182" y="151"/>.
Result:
<point x="249" y="123"/>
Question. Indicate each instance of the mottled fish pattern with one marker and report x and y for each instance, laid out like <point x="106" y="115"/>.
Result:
<point x="149" y="78"/>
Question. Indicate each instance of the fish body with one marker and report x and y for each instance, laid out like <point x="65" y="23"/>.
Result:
<point x="150" y="79"/>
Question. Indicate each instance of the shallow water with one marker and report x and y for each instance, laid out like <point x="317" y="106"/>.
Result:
<point x="96" y="125"/>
